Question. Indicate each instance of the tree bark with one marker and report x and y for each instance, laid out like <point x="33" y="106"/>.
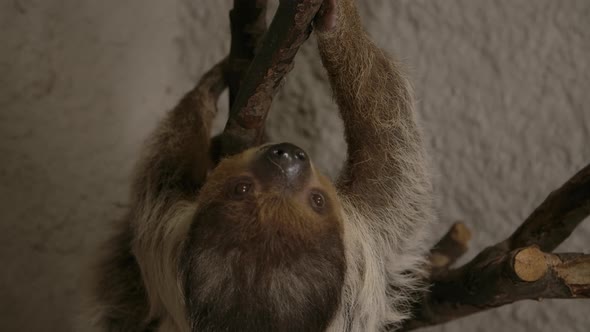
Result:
<point x="557" y="217"/>
<point x="248" y="26"/>
<point x="518" y="268"/>
<point x="290" y="27"/>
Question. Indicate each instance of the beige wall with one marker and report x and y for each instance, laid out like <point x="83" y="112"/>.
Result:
<point x="503" y="91"/>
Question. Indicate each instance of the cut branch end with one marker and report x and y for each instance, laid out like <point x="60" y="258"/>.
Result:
<point x="529" y="264"/>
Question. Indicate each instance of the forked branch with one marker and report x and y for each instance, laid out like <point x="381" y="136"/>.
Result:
<point x="512" y="270"/>
<point x="290" y="27"/>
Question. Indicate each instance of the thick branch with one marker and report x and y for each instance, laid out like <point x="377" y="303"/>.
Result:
<point x="248" y="25"/>
<point x="290" y="27"/>
<point x="556" y="218"/>
<point x="515" y="269"/>
<point x="494" y="279"/>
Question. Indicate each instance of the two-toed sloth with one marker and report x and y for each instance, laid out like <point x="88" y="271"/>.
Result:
<point x="263" y="241"/>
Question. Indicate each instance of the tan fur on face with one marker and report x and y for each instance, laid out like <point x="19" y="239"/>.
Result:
<point x="273" y="204"/>
<point x="266" y="254"/>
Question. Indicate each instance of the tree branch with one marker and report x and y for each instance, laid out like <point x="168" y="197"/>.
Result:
<point x="518" y="268"/>
<point x="290" y="27"/>
<point x="557" y="217"/>
<point x="491" y="280"/>
<point x="248" y="26"/>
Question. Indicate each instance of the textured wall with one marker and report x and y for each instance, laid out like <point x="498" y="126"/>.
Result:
<point x="503" y="94"/>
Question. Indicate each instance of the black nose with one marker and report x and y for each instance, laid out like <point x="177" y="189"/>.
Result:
<point x="286" y="160"/>
<point x="286" y="154"/>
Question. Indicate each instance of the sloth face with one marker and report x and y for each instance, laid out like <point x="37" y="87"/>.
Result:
<point x="265" y="242"/>
<point x="272" y="172"/>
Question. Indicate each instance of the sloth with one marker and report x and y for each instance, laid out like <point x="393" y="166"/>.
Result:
<point x="262" y="241"/>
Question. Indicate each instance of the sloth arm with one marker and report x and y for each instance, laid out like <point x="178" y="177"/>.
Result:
<point x="177" y="156"/>
<point x="385" y="173"/>
<point x="171" y="171"/>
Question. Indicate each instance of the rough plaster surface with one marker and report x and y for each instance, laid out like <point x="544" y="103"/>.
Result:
<point x="503" y="89"/>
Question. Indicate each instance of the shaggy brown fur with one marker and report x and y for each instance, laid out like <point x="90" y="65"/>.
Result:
<point x="235" y="249"/>
<point x="385" y="187"/>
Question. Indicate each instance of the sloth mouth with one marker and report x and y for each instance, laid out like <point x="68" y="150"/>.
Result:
<point x="278" y="165"/>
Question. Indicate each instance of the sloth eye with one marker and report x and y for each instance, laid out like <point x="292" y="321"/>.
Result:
<point x="242" y="188"/>
<point x="317" y="201"/>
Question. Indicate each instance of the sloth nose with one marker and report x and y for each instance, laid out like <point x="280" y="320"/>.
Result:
<point x="286" y="154"/>
<point x="288" y="157"/>
<point x="287" y="160"/>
